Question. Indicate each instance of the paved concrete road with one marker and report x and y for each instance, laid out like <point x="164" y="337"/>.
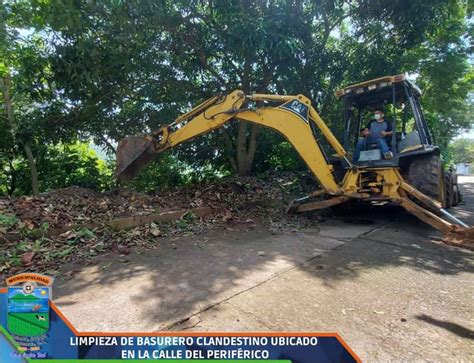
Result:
<point x="381" y="279"/>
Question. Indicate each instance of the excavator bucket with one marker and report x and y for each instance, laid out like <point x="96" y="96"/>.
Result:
<point x="133" y="154"/>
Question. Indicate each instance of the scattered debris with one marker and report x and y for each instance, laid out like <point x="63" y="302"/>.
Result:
<point x="463" y="238"/>
<point x="106" y="266"/>
<point x="123" y="250"/>
<point x="27" y="257"/>
<point x="238" y="203"/>
<point x="154" y="230"/>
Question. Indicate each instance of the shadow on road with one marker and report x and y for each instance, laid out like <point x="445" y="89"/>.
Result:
<point x="454" y="328"/>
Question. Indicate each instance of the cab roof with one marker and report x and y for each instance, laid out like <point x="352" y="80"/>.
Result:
<point x="375" y="84"/>
<point x="378" y="91"/>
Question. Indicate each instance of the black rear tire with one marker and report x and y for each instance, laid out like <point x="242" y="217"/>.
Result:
<point x="456" y="195"/>
<point x="426" y="174"/>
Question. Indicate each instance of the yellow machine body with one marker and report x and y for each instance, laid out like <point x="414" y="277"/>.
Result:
<point x="295" y="118"/>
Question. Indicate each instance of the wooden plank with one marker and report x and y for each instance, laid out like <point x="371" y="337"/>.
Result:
<point x="267" y="202"/>
<point x="321" y="204"/>
<point x="135" y="221"/>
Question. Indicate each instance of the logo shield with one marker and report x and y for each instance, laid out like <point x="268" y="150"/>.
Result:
<point x="28" y="309"/>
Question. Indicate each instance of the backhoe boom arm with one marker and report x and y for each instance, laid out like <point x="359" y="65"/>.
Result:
<point x="291" y="118"/>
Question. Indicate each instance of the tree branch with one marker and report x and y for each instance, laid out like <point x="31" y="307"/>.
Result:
<point x="229" y="147"/>
<point x="107" y="143"/>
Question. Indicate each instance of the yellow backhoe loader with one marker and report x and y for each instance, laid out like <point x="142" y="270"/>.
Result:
<point x="370" y="179"/>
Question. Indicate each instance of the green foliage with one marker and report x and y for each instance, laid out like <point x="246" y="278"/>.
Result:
<point x="76" y="164"/>
<point x="461" y="151"/>
<point x="59" y="166"/>
<point x="160" y="173"/>
<point x="167" y="171"/>
<point x="7" y="221"/>
<point x="89" y="70"/>
<point x="186" y="220"/>
<point x="276" y="153"/>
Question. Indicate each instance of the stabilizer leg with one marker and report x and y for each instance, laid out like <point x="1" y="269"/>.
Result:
<point x="457" y="234"/>
<point x="296" y="205"/>
<point x="321" y="204"/>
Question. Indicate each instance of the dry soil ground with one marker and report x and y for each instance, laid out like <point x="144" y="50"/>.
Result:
<point x="377" y="278"/>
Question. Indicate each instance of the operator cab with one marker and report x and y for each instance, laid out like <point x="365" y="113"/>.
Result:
<point x="399" y="98"/>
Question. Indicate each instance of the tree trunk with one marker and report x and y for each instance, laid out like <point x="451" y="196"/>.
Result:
<point x="241" y="149"/>
<point x="243" y="155"/>
<point x="12" y="186"/>
<point x="33" y="170"/>
<point x="247" y="140"/>
<point x="246" y="150"/>
<point x="5" y="85"/>
<point x="229" y="148"/>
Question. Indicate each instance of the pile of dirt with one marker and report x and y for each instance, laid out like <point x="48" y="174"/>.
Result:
<point x="75" y="205"/>
<point x="238" y="203"/>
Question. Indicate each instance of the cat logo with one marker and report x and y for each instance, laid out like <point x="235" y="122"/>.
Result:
<point x="298" y="108"/>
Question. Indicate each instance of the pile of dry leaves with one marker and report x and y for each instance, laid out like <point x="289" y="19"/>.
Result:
<point x="236" y="202"/>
